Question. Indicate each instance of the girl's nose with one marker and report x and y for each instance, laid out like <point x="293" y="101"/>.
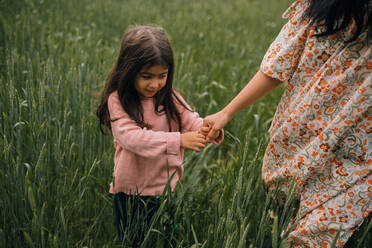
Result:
<point x="155" y="83"/>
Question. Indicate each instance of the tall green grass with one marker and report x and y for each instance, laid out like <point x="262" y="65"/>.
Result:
<point x="55" y="166"/>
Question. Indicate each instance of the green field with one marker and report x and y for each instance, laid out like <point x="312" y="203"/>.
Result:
<point x="55" y="165"/>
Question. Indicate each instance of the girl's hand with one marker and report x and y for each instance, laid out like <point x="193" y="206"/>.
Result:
<point x="192" y="141"/>
<point x="215" y="122"/>
<point x="205" y="131"/>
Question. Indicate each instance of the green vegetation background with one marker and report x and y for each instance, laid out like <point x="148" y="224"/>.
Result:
<point x="55" y="165"/>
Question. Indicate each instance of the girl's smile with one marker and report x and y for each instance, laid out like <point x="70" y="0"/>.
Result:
<point x="150" y="80"/>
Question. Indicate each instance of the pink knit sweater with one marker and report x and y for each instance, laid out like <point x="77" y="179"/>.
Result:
<point x="146" y="159"/>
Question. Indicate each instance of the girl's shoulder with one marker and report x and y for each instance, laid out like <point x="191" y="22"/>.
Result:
<point x="113" y="101"/>
<point x="179" y="101"/>
<point x="114" y="95"/>
<point x="177" y="95"/>
<point x="115" y="108"/>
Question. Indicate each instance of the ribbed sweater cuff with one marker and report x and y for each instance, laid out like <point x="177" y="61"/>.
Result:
<point x="173" y="143"/>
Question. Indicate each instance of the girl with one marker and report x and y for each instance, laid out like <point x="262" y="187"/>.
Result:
<point x="151" y="125"/>
<point x="321" y="134"/>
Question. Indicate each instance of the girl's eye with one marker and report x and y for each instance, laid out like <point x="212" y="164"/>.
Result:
<point x="146" y="77"/>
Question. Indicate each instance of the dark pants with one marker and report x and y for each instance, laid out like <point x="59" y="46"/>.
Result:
<point x="133" y="216"/>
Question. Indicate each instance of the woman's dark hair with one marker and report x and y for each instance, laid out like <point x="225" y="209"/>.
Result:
<point x="142" y="46"/>
<point x="336" y="15"/>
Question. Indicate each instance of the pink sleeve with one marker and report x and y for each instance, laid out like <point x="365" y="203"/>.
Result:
<point x="282" y="58"/>
<point x="145" y="143"/>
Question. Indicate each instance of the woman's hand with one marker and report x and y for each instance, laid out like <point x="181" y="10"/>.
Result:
<point x="193" y="141"/>
<point x="204" y="131"/>
<point x="215" y="122"/>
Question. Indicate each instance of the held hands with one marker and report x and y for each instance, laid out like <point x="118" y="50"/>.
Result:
<point x="196" y="140"/>
<point x="215" y="123"/>
<point x="204" y="131"/>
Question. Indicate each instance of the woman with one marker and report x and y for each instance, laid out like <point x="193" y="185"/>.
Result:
<point x="321" y="134"/>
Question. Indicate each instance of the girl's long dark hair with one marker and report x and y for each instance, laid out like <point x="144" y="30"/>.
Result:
<point x="142" y="46"/>
<point x="336" y="15"/>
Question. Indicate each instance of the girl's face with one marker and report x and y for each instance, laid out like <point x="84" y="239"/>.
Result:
<point x="150" y="80"/>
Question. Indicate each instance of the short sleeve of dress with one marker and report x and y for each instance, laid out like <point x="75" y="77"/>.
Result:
<point x="283" y="55"/>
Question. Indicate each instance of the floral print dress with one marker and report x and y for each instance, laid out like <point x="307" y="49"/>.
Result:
<point x="321" y="134"/>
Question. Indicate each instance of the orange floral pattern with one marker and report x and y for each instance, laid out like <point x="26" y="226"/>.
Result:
<point x="321" y="134"/>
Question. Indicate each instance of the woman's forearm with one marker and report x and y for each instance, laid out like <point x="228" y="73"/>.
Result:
<point x="259" y="86"/>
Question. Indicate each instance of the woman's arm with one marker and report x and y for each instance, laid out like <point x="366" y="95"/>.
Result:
<point x="260" y="85"/>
